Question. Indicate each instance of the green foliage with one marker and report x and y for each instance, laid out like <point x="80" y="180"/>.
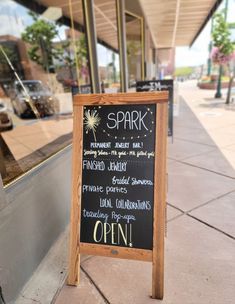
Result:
<point x="40" y="37"/>
<point x="81" y="48"/>
<point x="67" y="55"/>
<point x="221" y="35"/>
<point x="183" y="71"/>
<point x="231" y="25"/>
<point x="42" y="49"/>
<point x="11" y="54"/>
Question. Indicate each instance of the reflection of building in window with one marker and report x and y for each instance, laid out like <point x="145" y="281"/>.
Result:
<point x="25" y="81"/>
<point x="17" y="52"/>
<point x="67" y="72"/>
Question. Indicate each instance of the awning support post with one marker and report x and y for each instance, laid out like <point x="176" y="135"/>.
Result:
<point x="121" y="24"/>
<point x="90" y="31"/>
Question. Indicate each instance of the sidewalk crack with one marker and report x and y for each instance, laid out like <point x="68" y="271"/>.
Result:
<point x="184" y="162"/>
<point x="95" y="285"/>
<point x="24" y="297"/>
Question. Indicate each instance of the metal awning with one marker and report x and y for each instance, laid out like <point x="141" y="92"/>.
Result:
<point x="171" y="22"/>
<point x="105" y="16"/>
<point x="177" y="22"/>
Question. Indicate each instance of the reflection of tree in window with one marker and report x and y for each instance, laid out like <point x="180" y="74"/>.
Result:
<point x="40" y="36"/>
<point x="133" y="37"/>
<point x="46" y="48"/>
<point x="6" y="73"/>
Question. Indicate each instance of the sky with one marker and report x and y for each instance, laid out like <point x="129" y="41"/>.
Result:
<point x="198" y="53"/>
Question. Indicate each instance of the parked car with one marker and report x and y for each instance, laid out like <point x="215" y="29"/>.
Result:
<point x="32" y="91"/>
<point x="5" y="119"/>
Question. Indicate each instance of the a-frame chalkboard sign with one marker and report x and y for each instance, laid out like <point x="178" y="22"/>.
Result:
<point x="119" y="180"/>
<point x="160" y="85"/>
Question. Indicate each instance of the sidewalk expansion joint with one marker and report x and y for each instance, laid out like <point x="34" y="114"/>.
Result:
<point x="191" y="156"/>
<point x="95" y="285"/>
<point x="213" y="227"/>
<point x="210" y="201"/>
<point x="196" y="142"/>
<point x="187" y="213"/>
<point x="175" y="217"/>
<point x="177" y="208"/>
<point x="88" y="258"/>
<point x="202" y="168"/>
<point x="190" y="127"/>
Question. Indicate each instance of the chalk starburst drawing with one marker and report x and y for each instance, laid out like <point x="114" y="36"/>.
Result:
<point x="91" y="122"/>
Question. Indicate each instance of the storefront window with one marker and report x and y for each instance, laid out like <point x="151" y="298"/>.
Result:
<point x="35" y="102"/>
<point x="43" y="60"/>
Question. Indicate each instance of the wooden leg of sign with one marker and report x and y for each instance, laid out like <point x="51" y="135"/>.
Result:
<point x="74" y="255"/>
<point x="159" y="203"/>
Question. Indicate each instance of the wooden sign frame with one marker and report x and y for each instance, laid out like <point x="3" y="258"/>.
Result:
<point x="156" y="255"/>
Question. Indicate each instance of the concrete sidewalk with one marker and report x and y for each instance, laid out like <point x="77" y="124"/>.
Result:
<point x="200" y="247"/>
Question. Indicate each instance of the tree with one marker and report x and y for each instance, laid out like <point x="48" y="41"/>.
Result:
<point x="75" y="56"/>
<point x="81" y="53"/>
<point x="40" y="37"/>
<point x="183" y="71"/>
<point x="43" y="49"/>
<point x="10" y="52"/>
<point x="223" y="51"/>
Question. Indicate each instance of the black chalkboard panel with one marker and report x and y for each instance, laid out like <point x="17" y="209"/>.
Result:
<point x="118" y="175"/>
<point x="160" y="85"/>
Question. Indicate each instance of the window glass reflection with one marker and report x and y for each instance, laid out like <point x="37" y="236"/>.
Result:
<point x="43" y="63"/>
<point x="134" y="48"/>
<point x="37" y="75"/>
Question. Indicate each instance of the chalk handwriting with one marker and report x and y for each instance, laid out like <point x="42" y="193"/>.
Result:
<point x="129" y="120"/>
<point x="103" y="145"/>
<point x="112" y="233"/>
